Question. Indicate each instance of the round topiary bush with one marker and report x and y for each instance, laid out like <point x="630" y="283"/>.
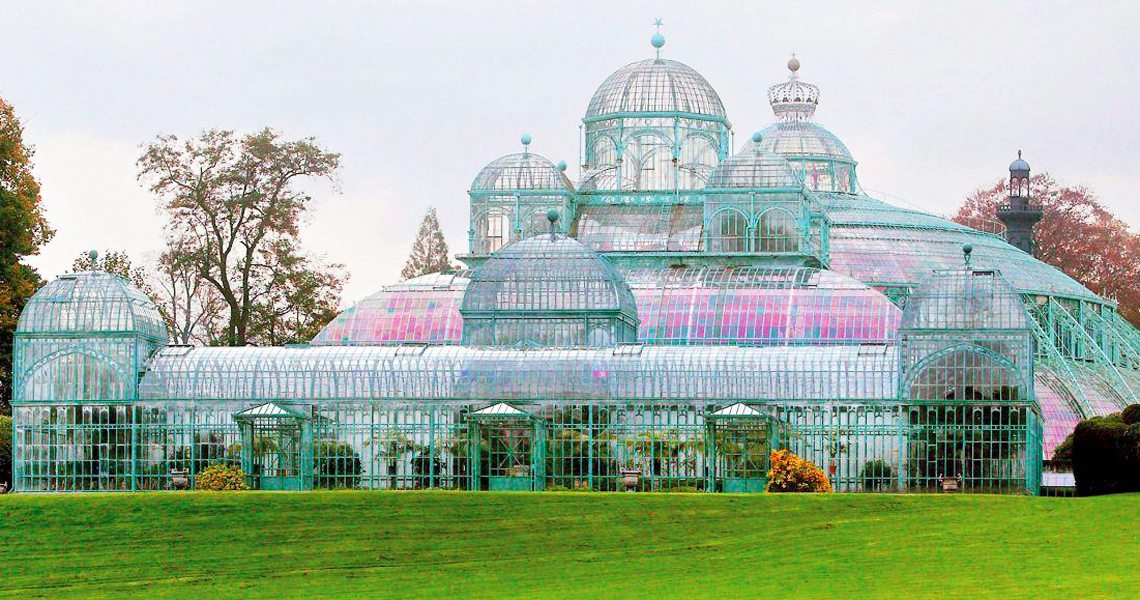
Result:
<point x="790" y="473"/>
<point x="221" y="478"/>
<point x="1131" y="414"/>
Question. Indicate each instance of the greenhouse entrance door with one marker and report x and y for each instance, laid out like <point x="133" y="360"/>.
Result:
<point x="742" y="438"/>
<point x="509" y="449"/>
<point x="276" y="448"/>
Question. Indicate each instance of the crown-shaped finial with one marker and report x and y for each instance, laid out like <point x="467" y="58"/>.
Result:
<point x="793" y="100"/>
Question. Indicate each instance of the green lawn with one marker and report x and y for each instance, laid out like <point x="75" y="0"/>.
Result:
<point x="567" y="544"/>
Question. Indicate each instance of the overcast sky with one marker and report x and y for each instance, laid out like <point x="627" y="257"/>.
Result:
<point x="933" y="99"/>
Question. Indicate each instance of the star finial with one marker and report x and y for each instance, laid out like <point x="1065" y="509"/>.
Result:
<point x="658" y="23"/>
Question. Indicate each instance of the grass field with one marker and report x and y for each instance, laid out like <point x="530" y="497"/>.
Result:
<point x="567" y="544"/>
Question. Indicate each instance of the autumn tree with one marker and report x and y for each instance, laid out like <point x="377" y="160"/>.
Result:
<point x="235" y="207"/>
<point x="1077" y="235"/>
<point x="23" y="229"/>
<point x="115" y="262"/>
<point x="429" y="251"/>
<point x="191" y="307"/>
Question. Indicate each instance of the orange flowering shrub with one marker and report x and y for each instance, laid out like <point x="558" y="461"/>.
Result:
<point x="790" y="473"/>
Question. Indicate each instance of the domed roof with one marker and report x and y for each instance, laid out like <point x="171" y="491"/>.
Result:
<point x="1019" y="164"/>
<point x="655" y="85"/>
<point x="547" y="273"/>
<point x="801" y="140"/>
<point x="92" y="302"/>
<point x="521" y="171"/>
<point x="548" y="290"/>
<point x="754" y="168"/>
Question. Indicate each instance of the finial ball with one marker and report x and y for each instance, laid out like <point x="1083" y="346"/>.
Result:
<point x="93" y="255"/>
<point x="553" y="215"/>
<point x="525" y="139"/>
<point x="756" y="137"/>
<point x="794" y="64"/>
<point x="561" y="165"/>
<point x="657" y="40"/>
<point x="967" y="248"/>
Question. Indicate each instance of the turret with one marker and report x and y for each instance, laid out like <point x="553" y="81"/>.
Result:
<point x="1019" y="214"/>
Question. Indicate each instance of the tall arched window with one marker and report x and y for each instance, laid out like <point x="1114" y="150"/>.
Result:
<point x="493" y="231"/>
<point x="777" y="232"/>
<point x="729" y="232"/>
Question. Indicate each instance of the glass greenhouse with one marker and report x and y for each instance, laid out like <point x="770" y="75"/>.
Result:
<point x="673" y="316"/>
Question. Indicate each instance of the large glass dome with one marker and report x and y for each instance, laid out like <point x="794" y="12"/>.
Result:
<point x="548" y="290"/>
<point x="655" y="85"/>
<point x="522" y="171"/>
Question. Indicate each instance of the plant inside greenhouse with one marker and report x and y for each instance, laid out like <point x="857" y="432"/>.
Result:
<point x="685" y="315"/>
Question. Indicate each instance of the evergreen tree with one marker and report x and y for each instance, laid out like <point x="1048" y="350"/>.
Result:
<point x="429" y="252"/>
<point x="23" y="229"/>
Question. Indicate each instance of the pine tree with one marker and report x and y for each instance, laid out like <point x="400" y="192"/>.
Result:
<point x="429" y="252"/>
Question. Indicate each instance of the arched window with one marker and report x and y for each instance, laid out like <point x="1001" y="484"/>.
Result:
<point x="492" y="231"/>
<point x="729" y="232"/>
<point x="777" y="232"/>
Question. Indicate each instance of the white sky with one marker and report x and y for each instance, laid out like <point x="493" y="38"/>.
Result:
<point x="933" y="99"/>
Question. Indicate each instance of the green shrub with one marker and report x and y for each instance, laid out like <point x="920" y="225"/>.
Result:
<point x="1063" y="452"/>
<point x="1106" y="456"/>
<point x="221" y="478"/>
<point x="6" y="450"/>
<point x="336" y="465"/>
<point x="877" y="476"/>
<point x="1131" y="414"/>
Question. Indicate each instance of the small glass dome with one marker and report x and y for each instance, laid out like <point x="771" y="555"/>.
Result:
<point x="965" y="299"/>
<point x="802" y="139"/>
<point x="655" y="85"/>
<point x="548" y="290"/>
<point x="521" y="171"/>
<point x="92" y="302"/>
<point x="754" y="168"/>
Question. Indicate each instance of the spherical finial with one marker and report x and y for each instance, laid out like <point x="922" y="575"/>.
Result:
<point x="657" y="40"/>
<point x="553" y="215"/>
<point x="967" y="248"/>
<point x="525" y="139"/>
<point x="756" y="137"/>
<point x="561" y="166"/>
<point x="794" y="64"/>
<point x="93" y="255"/>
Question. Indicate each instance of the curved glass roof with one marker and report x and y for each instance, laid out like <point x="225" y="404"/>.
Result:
<point x="501" y="374"/>
<point x="760" y="306"/>
<point x="521" y="171"/>
<point x="655" y="85"/>
<point x="753" y="169"/>
<point x="883" y="245"/>
<point x="547" y="273"/>
<point x="695" y="305"/>
<point x="91" y="302"/>
<point x="801" y="140"/>
<point x="420" y="310"/>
